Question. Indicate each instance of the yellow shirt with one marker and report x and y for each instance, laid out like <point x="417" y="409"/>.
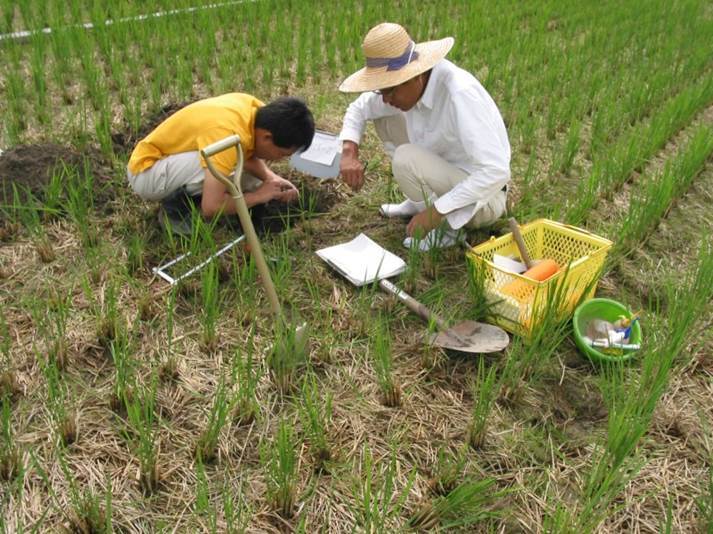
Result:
<point x="198" y="125"/>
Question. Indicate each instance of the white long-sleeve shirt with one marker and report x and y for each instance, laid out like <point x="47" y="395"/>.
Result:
<point x="457" y="120"/>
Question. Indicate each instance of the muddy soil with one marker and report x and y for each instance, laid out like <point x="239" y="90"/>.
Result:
<point x="30" y="167"/>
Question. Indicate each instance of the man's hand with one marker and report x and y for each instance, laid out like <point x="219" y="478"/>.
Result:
<point x="350" y="167"/>
<point x="277" y="188"/>
<point x="424" y="222"/>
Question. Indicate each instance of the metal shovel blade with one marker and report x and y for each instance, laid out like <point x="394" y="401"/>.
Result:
<point x="471" y="336"/>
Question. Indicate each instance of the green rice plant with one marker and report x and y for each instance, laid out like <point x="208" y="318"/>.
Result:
<point x="169" y="367"/>
<point x="287" y="355"/>
<point x="378" y="499"/>
<point x="202" y="505"/>
<point x="63" y="419"/>
<point x="55" y="319"/>
<point x="109" y="324"/>
<point x="135" y="253"/>
<point x="448" y="469"/>
<point x="8" y="380"/>
<point x="705" y="503"/>
<point x="246" y="376"/>
<point x="567" y="152"/>
<point x="484" y="393"/>
<point x="650" y="206"/>
<point x="632" y="402"/>
<point x="28" y="211"/>
<point x="223" y="402"/>
<point x="80" y="203"/>
<point x="469" y="503"/>
<point x="124" y="373"/>
<point x="528" y="359"/>
<point x="279" y="462"/>
<point x="236" y="511"/>
<point x="316" y="415"/>
<point x="382" y="361"/>
<point x="10" y="455"/>
<point x="86" y="513"/>
<point x="211" y="307"/>
<point x="39" y="83"/>
<point x="141" y="416"/>
<point x="53" y="204"/>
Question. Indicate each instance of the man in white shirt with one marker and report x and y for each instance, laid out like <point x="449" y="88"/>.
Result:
<point x="449" y="147"/>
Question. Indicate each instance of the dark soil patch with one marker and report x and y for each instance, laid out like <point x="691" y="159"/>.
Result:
<point x="315" y="197"/>
<point x="29" y="168"/>
<point x="124" y="141"/>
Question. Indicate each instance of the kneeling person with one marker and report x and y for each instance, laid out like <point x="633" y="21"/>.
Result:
<point x="449" y="147"/>
<point x="167" y="166"/>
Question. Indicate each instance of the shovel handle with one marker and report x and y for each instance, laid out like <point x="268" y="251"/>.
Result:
<point x="519" y="241"/>
<point x="219" y="146"/>
<point x="243" y="214"/>
<point x="413" y="305"/>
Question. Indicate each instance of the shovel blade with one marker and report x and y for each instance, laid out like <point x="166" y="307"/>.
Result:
<point x="473" y="337"/>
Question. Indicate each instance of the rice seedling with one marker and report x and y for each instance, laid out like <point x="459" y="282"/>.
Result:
<point x="108" y="321"/>
<point x="246" y="376"/>
<point x="121" y="395"/>
<point x="705" y="504"/>
<point x="375" y="489"/>
<point x="633" y="402"/>
<point x="236" y="511"/>
<point x="484" y="392"/>
<point x="528" y="359"/>
<point x="469" y="503"/>
<point x="86" y="513"/>
<point x="202" y="505"/>
<point x="286" y="356"/>
<point x="658" y="192"/>
<point x="382" y="361"/>
<point x="207" y="444"/>
<point x="316" y="415"/>
<point x="64" y="419"/>
<point x="56" y="330"/>
<point x="211" y="308"/>
<point x="10" y="455"/>
<point x="8" y="380"/>
<point x="80" y="203"/>
<point x="448" y="469"/>
<point x="141" y="416"/>
<point x="279" y="461"/>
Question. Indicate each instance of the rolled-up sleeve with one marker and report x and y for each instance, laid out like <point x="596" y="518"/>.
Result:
<point x="368" y="106"/>
<point x="488" y="161"/>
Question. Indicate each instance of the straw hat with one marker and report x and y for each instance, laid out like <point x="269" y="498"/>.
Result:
<point x="392" y="58"/>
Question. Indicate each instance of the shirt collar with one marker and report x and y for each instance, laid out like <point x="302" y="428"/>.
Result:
<point x="428" y="98"/>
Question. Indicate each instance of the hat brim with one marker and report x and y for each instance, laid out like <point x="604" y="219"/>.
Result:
<point x="371" y="79"/>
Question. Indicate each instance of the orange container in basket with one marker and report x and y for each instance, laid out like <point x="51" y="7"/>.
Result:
<point x="517" y="300"/>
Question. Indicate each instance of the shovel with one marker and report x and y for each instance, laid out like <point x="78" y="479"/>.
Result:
<point x="233" y="186"/>
<point x="362" y="261"/>
<point x="465" y="336"/>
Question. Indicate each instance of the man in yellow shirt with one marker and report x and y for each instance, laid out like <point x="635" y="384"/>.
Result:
<point x="167" y="166"/>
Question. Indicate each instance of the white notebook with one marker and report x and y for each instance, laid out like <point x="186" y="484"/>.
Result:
<point x="362" y="261"/>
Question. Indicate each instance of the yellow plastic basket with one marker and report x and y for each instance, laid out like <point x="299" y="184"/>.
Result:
<point x="517" y="300"/>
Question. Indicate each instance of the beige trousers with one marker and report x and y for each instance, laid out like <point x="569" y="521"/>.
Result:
<point x="422" y="175"/>
<point x="173" y="172"/>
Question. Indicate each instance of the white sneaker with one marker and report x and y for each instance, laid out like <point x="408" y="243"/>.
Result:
<point x="436" y="238"/>
<point x="408" y="208"/>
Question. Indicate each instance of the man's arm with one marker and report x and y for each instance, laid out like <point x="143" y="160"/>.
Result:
<point x="218" y="200"/>
<point x="368" y="106"/>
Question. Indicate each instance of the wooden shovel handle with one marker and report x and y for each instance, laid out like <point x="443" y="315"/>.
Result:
<point x="519" y="241"/>
<point x="413" y="305"/>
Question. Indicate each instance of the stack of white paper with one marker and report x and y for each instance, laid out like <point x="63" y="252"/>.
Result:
<point x="362" y="261"/>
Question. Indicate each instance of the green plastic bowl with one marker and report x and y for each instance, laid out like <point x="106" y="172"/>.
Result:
<point x="609" y="310"/>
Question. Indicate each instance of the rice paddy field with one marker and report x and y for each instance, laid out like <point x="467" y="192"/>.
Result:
<point x="132" y="406"/>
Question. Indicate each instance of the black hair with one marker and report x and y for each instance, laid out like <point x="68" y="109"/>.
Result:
<point x="289" y="121"/>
